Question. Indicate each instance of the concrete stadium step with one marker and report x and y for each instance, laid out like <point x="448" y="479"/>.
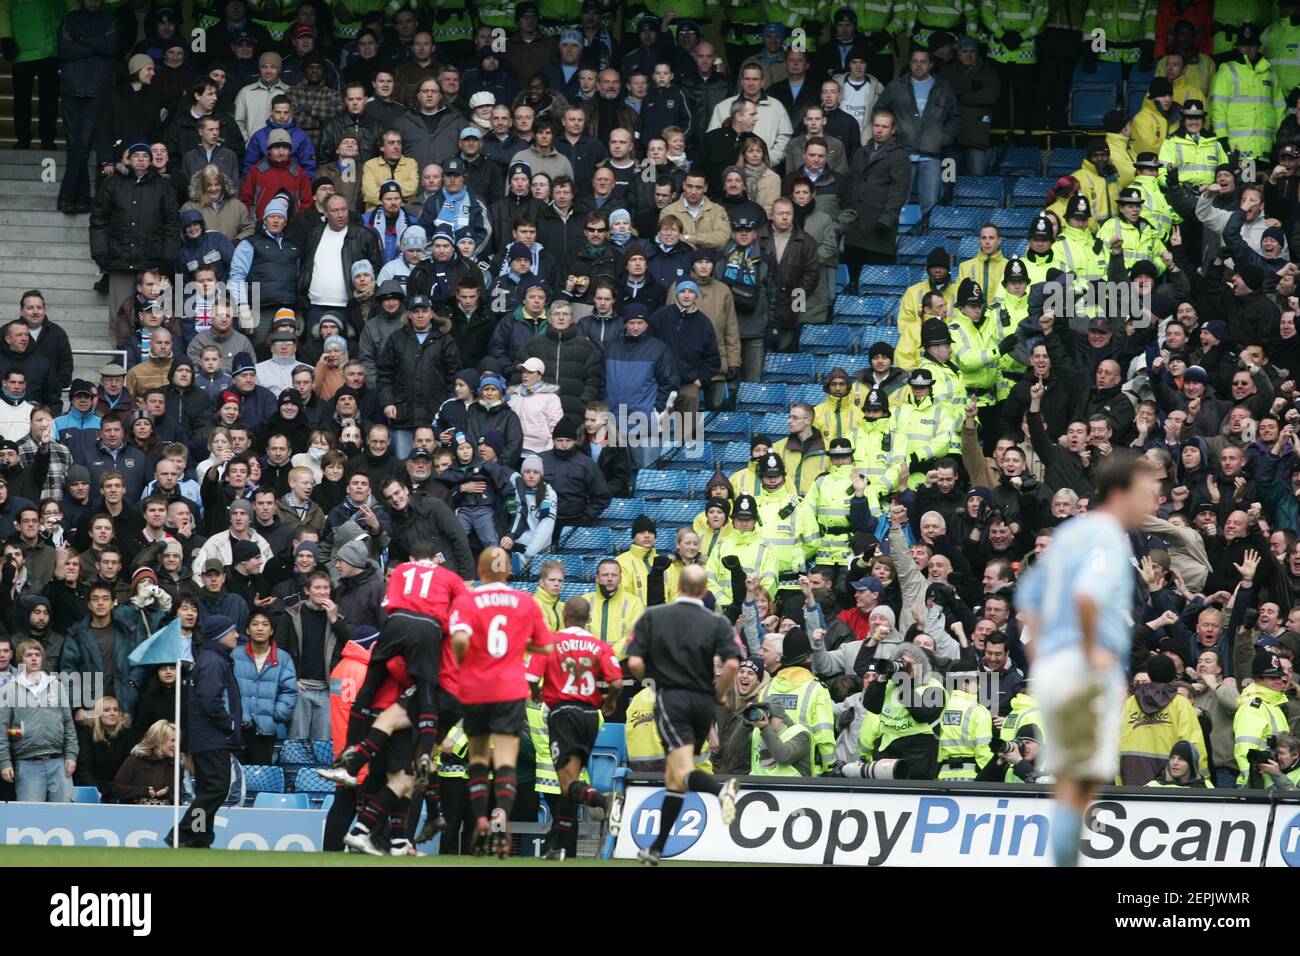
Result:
<point x="51" y="232"/>
<point x="58" y="297"/>
<point x="29" y="186"/>
<point x="29" y="200"/>
<point x="31" y="168"/>
<point x="47" y="218"/>
<point x="23" y="262"/>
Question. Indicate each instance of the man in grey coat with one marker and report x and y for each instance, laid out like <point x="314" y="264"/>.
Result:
<point x="929" y="119"/>
<point x="40" y="751"/>
<point x="880" y="179"/>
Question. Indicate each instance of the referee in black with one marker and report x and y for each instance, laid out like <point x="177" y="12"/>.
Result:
<point x="676" y="645"/>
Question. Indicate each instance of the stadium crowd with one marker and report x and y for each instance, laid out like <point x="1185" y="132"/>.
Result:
<point x="390" y="277"/>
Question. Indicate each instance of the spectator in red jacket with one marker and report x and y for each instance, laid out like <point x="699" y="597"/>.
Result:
<point x="275" y="174"/>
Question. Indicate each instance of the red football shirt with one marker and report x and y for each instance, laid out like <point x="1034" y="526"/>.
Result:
<point x="576" y="667"/>
<point x="429" y="589"/>
<point x="501" y="622"/>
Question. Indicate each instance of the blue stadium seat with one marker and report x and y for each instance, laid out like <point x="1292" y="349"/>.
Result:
<point x="850" y="363"/>
<point x="967" y="248"/>
<point x="689" y="457"/>
<point x="909" y="217"/>
<point x="308" y="780"/>
<point x="1138" y="78"/>
<point x="854" y="306"/>
<point x="324" y="752"/>
<point x="1133" y="101"/>
<point x="1032" y="193"/>
<point x="675" y="513"/>
<point x="1018" y="161"/>
<point x="1063" y="161"/>
<point x="1015" y="248"/>
<point x="842" y="276"/>
<point x="85" y="795"/>
<point x="727" y="425"/>
<point x="1103" y="72"/>
<point x="298" y="753"/>
<point x="573" y="567"/>
<point x="872" y="334"/>
<point x="263" y="779"/>
<point x="608" y="755"/>
<point x="888" y="277"/>
<point x="587" y="541"/>
<point x="914" y="250"/>
<point x="824" y="339"/>
<point x="986" y="191"/>
<point x="787" y="367"/>
<point x="774" y="425"/>
<point x="576" y="589"/>
<point x="1089" y="106"/>
<point x="951" y="221"/>
<point x="735" y="455"/>
<point x="1015" y="221"/>
<point x="622" y="512"/>
<point x="761" y="396"/>
<point x="282" y="801"/>
<point x="661" y="483"/>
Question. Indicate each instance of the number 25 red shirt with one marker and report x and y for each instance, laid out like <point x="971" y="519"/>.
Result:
<point x="501" y="622"/>
<point x="576" y="667"/>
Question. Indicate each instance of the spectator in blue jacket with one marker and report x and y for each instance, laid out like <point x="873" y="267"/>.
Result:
<point x="83" y="652"/>
<point x="202" y="247"/>
<point x="640" y="374"/>
<point x="212" y="728"/>
<point x="665" y="105"/>
<point x="667" y="257"/>
<point x="268" y="688"/>
<point x="302" y="150"/>
<point x="694" y="343"/>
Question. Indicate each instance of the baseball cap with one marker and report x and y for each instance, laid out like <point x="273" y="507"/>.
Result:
<point x="533" y="364"/>
<point x="869" y="583"/>
<point x="80" y="387"/>
<point x="470" y="132"/>
<point x="419" y="302"/>
<point x="453" y="167"/>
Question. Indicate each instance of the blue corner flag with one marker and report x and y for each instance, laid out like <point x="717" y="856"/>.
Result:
<point x="161" y="648"/>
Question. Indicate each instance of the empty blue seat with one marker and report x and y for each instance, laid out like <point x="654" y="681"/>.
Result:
<point x="1088" y="108"/>
<point x="1014" y="248"/>
<point x="675" y="513"/>
<point x="259" y="778"/>
<point x="622" y="510"/>
<point x="576" y="589"/>
<point x="910" y="216"/>
<point x="297" y="753"/>
<point x="811" y="394"/>
<point x="588" y="541"/>
<point x="1100" y="72"/>
<point x="84" y="794"/>
<point x="282" y="801"/>
<point x="1019" y="161"/>
<point x="890" y="277"/>
<point x="662" y="483"/>
<point x="1138" y="78"/>
<point x="871" y="334"/>
<point x="986" y="191"/>
<point x="850" y="363"/>
<point x="727" y="425"/>
<point x="951" y="221"/>
<point x="735" y="455"/>
<point x="914" y="250"/>
<point x="1064" y="160"/>
<point x="573" y="566"/>
<point x="824" y="339"/>
<point x="967" y="248"/>
<point x="324" y="751"/>
<point x="608" y="755"/>
<point x="761" y="396"/>
<point x="307" y="780"/>
<point x="787" y="367"/>
<point x="1032" y="192"/>
<point x="852" y="306"/>
<point x="1014" y="221"/>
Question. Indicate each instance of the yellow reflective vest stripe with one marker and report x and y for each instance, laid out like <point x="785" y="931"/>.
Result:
<point x="761" y="762"/>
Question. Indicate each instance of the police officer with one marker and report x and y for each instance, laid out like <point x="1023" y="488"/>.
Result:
<point x="1130" y="234"/>
<point x="965" y="730"/>
<point x="829" y="499"/>
<point x="741" y="554"/>
<point x="977" y="333"/>
<point x="1041" y="254"/>
<point x="1013" y="308"/>
<point x="788" y="529"/>
<point x="1155" y="207"/>
<point x="1260" y="715"/>
<point x="873" y="440"/>
<point x="922" y="432"/>
<point x="1247" y="103"/>
<point x="948" y="391"/>
<point x="1076" y="248"/>
<point x="910" y="704"/>
<point x="1194" y="155"/>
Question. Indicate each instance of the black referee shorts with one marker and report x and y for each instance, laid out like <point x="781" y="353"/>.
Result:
<point x="573" y="728"/>
<point x="684" y="717"/>
<point x="503" y="717"/>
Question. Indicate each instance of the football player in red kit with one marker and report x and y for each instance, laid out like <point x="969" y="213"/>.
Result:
<point x="580" y="675"/>
<point x="491" y="629"/>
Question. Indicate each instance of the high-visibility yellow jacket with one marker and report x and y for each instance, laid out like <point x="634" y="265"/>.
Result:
<point x="1150" y="128"/>
<point x="1025" y="17"/>
<point x="1125" y="23"/>
<point x="828" y="500"/>
<point x="1037" y="264"/>
<point x="949" y="394"/>
<point x="1079" y="251"/>
<point x="837" y="416"/>
<point x="789" y="530"/>
<point x="755" y="558"/>
<point x="987" y="271"/>
<point x="644" y="745"/>
<point x="552" y="608"/>
<point x="871" y="448"/>
<point x="804" y="460"/>
<point x="635" y="562"/>
<point x="1197" y="157"/>
<point x="1145" y="739"/>
<point x="806" y="700"/>
<point x="1141" y="241"/>
<point x="1230" y="14"/>
<point x="976" y="354"/>
<point x="922" y="431"/>
<point x="1259" y="716"/>
<point x="1281" y="45"/>
<point x="965" y="731"/>
<point x="1247" y="104"/>
<point x="908" y="350"/>
<point x="612" y="618"/>
<point x="1101" y="191"/>
<point x="547" y="780"/>
<point x="1024" y="712"/>
<point x="673" y="577"/>
<point x="896" y="719"/>
<point x="1155" y="207"/>
<point x="746" y="481"/>
<point x="709" y="538"/>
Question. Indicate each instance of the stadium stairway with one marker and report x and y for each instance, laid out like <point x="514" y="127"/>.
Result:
<point x="41" y="248"/>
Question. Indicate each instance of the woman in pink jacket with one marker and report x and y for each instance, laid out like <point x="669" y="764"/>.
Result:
<point x="537" y="405"/>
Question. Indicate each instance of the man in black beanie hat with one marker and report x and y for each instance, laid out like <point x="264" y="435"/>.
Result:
<point x="637" y="561"/>
<point x="938" y="278"/>
<point x="1098" y="177"/>
<point x="578" y="483"/>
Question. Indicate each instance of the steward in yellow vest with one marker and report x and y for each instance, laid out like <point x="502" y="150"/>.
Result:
<point x="839" y="415"/>
<point x="910" y="703"/>
<point x="713" y="526"/>
<point x="1098" y="182"/>
<point x="614" y="610"/>
<point x="803" y="451"/>
<point x="988" y="265"/>
<point x="938" y="268"/>
<point x="636" y="561"/>
<point x="780" y="746"/>
<point x="794" y="688"/>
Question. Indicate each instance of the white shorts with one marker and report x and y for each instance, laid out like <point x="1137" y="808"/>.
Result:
<point x="1082" y="712"/>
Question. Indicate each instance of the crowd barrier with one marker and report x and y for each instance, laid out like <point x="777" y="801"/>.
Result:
<point x="906" y="823"/>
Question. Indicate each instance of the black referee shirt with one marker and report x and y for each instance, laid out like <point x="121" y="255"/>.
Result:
<point x="678" y="642"/>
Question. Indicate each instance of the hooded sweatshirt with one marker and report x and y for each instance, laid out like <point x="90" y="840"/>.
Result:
<point x="1155" y="718"/>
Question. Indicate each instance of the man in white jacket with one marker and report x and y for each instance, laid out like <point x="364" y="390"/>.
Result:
<point x="773" y="125"/>
<point x="253" y="102"/>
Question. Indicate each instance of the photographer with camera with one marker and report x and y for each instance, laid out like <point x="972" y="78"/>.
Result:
<point x="787" y="659"/>
<point x="1014" y="761"/>
<point x="778" y="745"/>
<point x="910" y="702"/>
<point x="1260" y="715"/>
<point x="1283" y="770"/>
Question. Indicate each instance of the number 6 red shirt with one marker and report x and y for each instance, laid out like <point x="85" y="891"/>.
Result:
<point x="501" y="623"/>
